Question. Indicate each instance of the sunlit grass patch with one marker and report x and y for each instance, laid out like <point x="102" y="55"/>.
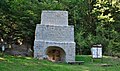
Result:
<point x="18" y="63"/>
<point x="1" y="59"/>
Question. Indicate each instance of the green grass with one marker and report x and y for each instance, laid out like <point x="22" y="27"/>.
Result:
<point x="13" y="63"/>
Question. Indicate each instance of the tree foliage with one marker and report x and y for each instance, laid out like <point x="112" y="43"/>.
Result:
<point x="107" y="20"/>
<point x="95" y="21"/>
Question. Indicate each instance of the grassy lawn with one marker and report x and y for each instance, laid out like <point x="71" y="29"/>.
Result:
<point x="12" y="63"/>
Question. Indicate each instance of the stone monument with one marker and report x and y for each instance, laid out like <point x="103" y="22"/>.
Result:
<point x="54" y="39"/>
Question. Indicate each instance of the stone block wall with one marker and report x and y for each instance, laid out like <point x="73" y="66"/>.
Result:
<point x="41" y="48"/>
<point x="56" y="18"/>
<point x="54" y="31"/>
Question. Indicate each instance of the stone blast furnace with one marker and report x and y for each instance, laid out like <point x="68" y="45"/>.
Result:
<point x="54" y="39"/>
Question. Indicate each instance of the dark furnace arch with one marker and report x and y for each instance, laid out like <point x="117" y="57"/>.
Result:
<point x="55" y="54"/>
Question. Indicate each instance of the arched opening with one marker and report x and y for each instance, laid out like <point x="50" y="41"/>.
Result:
<point x="55" y="54"/>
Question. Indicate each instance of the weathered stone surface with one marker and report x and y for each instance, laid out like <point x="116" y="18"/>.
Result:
<point x="56" y="18"/>
<point x="54" y="31"/>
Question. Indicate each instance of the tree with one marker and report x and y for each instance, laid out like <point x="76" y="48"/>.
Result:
<point x="107" y="20"/>
<point x="95" y="21"/>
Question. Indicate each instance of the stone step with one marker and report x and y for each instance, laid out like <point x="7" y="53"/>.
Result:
<point x="76" y="62"/>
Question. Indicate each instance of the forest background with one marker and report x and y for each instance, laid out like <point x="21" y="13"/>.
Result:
<point x="95" y="22"/>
